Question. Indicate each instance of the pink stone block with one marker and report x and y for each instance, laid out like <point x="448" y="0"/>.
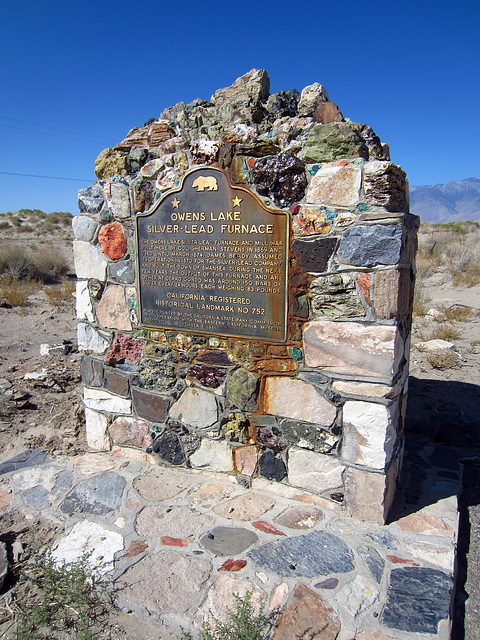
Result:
<point x="245" y="460"/>
<point x="352" y="348"/>
<point x="298" y="400"/>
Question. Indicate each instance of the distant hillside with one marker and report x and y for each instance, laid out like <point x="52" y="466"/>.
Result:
<point x="459" y="200"/>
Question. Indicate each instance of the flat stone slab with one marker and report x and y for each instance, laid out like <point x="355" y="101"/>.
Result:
<point x="98" y="495"/>
<point x="24" y="460"/>
<point x="90" y="540"/>
<point x="317" y="554"/>
<point x="228" y="541"/>
<point x="176" y="522"/>
<point x="305" y="517"/>
<point x="248" y="506"/>
<point x="166" y="582"/>
<point x="161" y="484"/>
<point x="417" y="599"/>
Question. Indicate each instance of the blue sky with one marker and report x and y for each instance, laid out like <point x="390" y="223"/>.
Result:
<point x="76" y="77"/>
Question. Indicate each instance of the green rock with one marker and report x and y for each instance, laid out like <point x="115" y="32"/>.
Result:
<point x="335" y="297"/>
<point x="242" y="390"/>
<point x="236" y="428"/>
<point x="335" y="141"/>
<point x="111" y="163"/>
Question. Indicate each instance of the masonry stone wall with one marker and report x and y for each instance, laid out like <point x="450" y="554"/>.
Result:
<point x="322" y="412"/>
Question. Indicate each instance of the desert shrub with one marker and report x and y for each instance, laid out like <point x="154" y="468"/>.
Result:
<point x="50" y="264"/>
<point x="244" y="623"/>
<point x="4" y="224"/>
<point x="67" y="601"/>
<point x="420" y="302"/>
<point x="25" y="228"/>
<point x="443" y="359"/>
<point x="15" y="221"/>
<point x="15" y="261"/>
<point x="445" y="331"/>
<point x="57" y="294"/>
<point x="15" y="291"/>
<point x="456" y="313"/>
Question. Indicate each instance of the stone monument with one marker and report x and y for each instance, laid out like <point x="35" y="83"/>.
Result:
<point x="245" y="273"/>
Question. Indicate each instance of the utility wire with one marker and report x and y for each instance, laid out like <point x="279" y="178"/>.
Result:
<point x="47" y="126"/>
<point x="48" y="133"/>
<point x="33" y="175"/>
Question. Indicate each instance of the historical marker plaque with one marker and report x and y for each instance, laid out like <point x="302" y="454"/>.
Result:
<point x="212" y="259"/>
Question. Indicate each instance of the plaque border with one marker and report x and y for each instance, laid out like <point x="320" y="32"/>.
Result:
<point x="178" y="189"/>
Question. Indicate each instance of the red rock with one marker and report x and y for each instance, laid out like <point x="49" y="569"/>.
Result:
<point x="266" y="527"/>
<point x="341" y="163"/>
<point x="251" y="162"/>
<point x="136" y="548"/>
<point x="307" y="617"/>
<point x="327" y="112"/>
<point x="397" y="560"/>
<point x="112" y="240"/>
<point x="132" y="505"/>
<point x="245" y="459"/>
<point x="174" y="542"/>
<point x="149" y="136"/>
<point x="233" y="565"/>
<point x="365" y="282"/>
<point x="124" y="348"/>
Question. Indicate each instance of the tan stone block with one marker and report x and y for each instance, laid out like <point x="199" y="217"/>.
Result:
<point x="369" y="496"/>
<point x="367" y="389"/>
<point x="392" y="294"/>
<point x="352" y="348"/>
<point x="96" y="427"/>
<point x="315" y="472"/>
<point x="335" y="186"/>
<point x="298" y="400"/>
<point x="112" y="311"/>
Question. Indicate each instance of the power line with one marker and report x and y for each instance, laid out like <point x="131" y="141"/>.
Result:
<point x="48" y="133"/>
<point x="33" y="175"/>
<point x="47" y="126"/>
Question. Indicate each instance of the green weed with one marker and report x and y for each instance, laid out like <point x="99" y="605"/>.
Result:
<point x="244" y="623"/>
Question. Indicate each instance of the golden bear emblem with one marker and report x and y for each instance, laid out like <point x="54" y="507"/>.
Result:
<point x="205" y="182"/>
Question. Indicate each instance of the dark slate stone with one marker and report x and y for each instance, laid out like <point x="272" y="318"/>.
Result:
<point x="116" y="383"/>
<point x="228" y="541"/>
<point x="30" y="458"/>
<point x="313" y="378"/>
<point x="374" y="562"/>
<point x="417" y="599"/>
<point x="215" y="357"/>
<point x="316" y="554"/>
<point x="98" y="495"/>
<point x="63" y="483"/>
<point x="122" y="271"/>
<point x="37" y="497"/>
<point x="150" y="406"/>
<point x="367" y="246"/>
<point x="283" y="104"/>
<point x="169" y="449"/>
<point x="91" y="199"/>
<point x="281" y="177"/>
<point x="383" y="539"/>
<point x="271" y="467"/>
<point x="137" y="158"/>
<point x="91" y="371"/>
<point x="294" y="431"/>
<point x="313" y="255"/>
<point x="329" y="583"/>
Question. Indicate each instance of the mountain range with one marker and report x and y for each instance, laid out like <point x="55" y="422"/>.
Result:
<point x="459" y="200"/>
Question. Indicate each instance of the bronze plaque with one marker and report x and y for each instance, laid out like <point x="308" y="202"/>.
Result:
<point x="212" y="259"/>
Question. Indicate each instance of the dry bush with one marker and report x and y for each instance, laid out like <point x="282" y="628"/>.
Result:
<point x="50" y="264"/>
<point x="58" y="294"/>
<point x="427" y="263"/>
<point x="445" y="332"/>
<point x="420" y="302"/>
<point x="456" y="313"/>
<point x="15" y="262"/>
<point x="16" y="291"/>
<point x="443" y="359"/>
